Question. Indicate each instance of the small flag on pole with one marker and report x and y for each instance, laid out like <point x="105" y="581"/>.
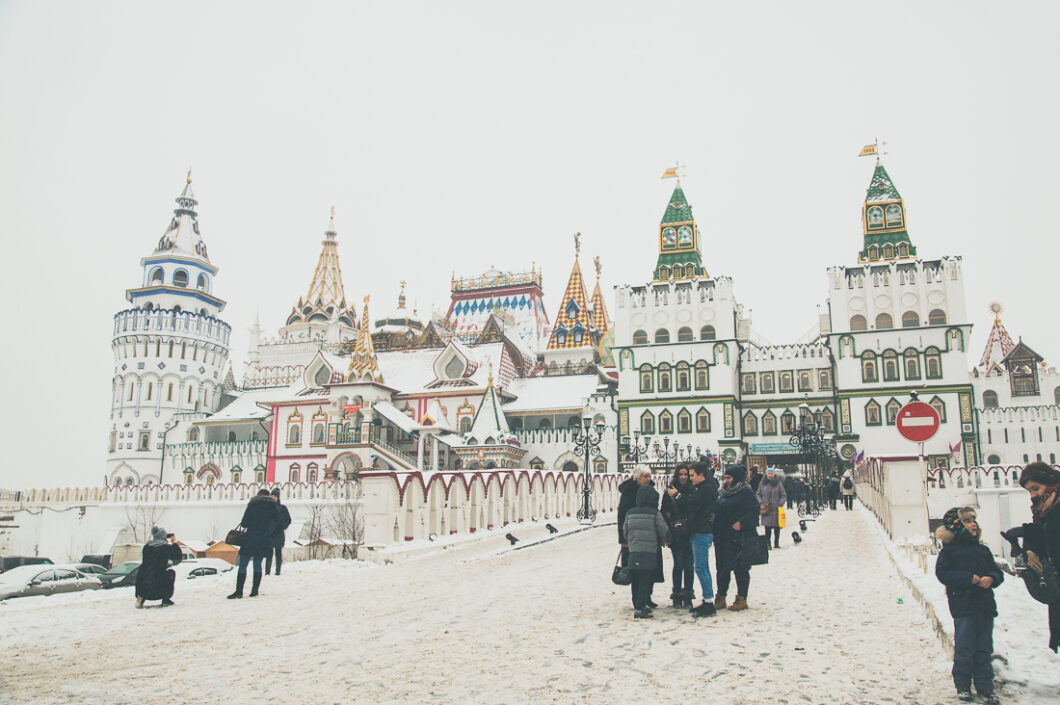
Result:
<point x="955" y="449"/>
<point x="670" y="173"/>
<point x="868" y="150"/>
<point x="859" y="457"/>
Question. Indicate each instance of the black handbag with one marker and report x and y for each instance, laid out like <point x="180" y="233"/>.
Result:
<point x="235" y="536"/>
<point x="680" y="530"/>
<point x="753" y="550"/>
<point x="620" y="575"/>
<point x="1044" y="588"/>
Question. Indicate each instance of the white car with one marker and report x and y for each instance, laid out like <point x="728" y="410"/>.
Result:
<point x="200" y="567"/>
<point x="28" y="580"/>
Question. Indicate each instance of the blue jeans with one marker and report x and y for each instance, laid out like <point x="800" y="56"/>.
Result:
<point x="701" y="555"/>
<point x="973" y="643"/>
<point x="245" y="559"/>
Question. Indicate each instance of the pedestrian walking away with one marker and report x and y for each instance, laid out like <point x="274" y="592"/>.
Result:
<point x="680" y="539"/>
<point x="833" y="489"/>
<point x="155" y="580"/>
<point x="968" y="570"/>
<point x="698" y="505"/>
<point x="847" y="488"/>
<point x="260" y="519"/>
<point x="771" y="497"/>
<point x="1042" y="536"/>
<point x="278" y="537"/>
<point x="646" y="532"/>
<point x="735" y="520"/>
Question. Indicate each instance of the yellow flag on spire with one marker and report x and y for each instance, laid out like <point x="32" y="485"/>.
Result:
<point x="670" y="173"/>
<point x="868" y="150"/>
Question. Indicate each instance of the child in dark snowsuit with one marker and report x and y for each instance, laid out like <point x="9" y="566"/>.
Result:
<point x="967" y="569"/>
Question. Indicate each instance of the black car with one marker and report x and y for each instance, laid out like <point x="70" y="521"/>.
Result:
<point x="121" y="575"/>
<point x="9" y="562"/>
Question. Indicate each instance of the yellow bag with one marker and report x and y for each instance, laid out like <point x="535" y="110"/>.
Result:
<point x="782" y="517"/>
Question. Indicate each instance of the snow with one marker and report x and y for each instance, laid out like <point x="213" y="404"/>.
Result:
<point x="565" y="393"/>
<point x="245" y="406"/>
<point x="471" y="619"/>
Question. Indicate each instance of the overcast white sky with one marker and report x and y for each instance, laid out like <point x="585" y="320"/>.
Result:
<point x="455" y="136"/>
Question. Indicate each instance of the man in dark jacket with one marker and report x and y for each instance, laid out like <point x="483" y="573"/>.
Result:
<point x="698" y="506"/>
<point x="833" y="489"/>
<point x="259" y="519"/>
<point x="278" y="538"/>
<point x="154" y="580"/>
<point x="754" y="479"/>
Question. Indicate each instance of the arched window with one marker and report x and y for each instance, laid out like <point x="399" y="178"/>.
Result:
<point x="318" y="433"/>
<point x="769" y="424"/>
<point x="180" y="278"/>
<point x="150" y="389"/>
<point x="664" y="272"/>
<point x="666" y="422"/>
<point x="236" y="476"/>
<point x="888" y="251"/>
<point x="702" y="375"/>
<point x="884" y="321"/>
<point x="465" y="423"/>
<point x="874" y="253"/>
<point x="156" y="276"/>
<point x="640" y="337"/>
<point x="787" y="422"/>
<point x="910" y="319"/>
<point x="872" y="413"/>
<point x="561" y="336"/>
<point x="933" y="363"/>
<point x="193" y="434"/>
<point x="703" y="421"/>
<point x="662" y="336"/>
<point x="543" y="423"/>
<point x="993" y="459"/>
<point x="202" y="284"/>
<point x="311" y="472"/>
<point x="827" y="420"/>
<point x="683" y="377"/>
<point x="294" y="434"/>
<point x="259" y="476"/>
<point x="707" y="333"/>
<point x="664" y="379"/>
<point x="890" y="366"/>
<point x="990" y="399"/>
<point x="894" y="215"/>
<point x="600" y="464"/>
<point x="295" y="470"/>
<point x="684" y="335"/>
<point x="750" y="424"/>
<point x="893" y="407"/>
<point x="903" y="250"/>
<point x="647" y="423"/>
<point x="1056" y="395"/>
<point x="875" y="217"/>
<point x="189" y="476"/>
<point x="937" y="317"/>
<point x="869" y="371"/>
<point x="684" y="421"/>
<point x="858" y="322"/>
<point x="939" y="407"/>
<point x="912" y="364"/>
<point x="646" y="383"/>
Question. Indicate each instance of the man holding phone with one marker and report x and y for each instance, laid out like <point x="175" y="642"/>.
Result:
<point x="155" y="580"/>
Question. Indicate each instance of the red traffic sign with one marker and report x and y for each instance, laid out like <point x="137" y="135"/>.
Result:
<point x="917" y="421"/>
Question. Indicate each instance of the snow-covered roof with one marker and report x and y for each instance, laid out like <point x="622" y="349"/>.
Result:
<point x="244" y="407"/>
<point x="410" y="371"/>
<point x="389" y="412"/>
<point x="566" y="392"/>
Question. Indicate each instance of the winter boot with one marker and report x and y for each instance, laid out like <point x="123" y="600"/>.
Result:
<point x="720" y="602"/>
<point x="740" y="603"/>
<point x="678" y="598"/>
<point x="139" y="603"/>
<point x="965" y="695"/>
<point x="990" y="699"/>
<point x="704" y="610"/>
<point x="279" y="562"/>
<point x="688" y="597"/>
<point x="254" y="587"/>
<point x="642" y="614"/>
<point x="241" y="579"/>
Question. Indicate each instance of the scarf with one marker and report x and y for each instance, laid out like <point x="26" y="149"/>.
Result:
<point x="732" y="489"/>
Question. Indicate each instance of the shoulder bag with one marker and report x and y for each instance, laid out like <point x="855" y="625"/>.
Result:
<point x="620" y="575"/>
<point x="753" y="549"/>
<point x="235" y="536"/>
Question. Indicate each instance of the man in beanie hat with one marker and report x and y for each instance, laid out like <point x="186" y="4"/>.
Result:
<point x="1042" y="537"/>
<point x="735" y="518"/>
<point x="155" y="580"/>
<point x="967" y="569"/>
<point x="278" y="538"/>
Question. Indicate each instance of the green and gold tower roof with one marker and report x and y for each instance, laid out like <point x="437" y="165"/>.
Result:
<point x="679" y="256"/>
<point x="883" y="221"/>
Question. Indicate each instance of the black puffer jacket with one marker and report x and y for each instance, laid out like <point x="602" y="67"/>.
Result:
<point x="698" y="505"/>
<point x="961" y="557"/>
<point x="260" y="519"/>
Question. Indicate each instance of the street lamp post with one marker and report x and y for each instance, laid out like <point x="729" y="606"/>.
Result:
<point x="810" y="440"/>
<point x="637" y="451"/>
<point x="587" y="445"/>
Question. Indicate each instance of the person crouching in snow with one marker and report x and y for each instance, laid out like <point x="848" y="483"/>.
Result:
<point x="644" y="530"/>
<point x="967" y="569"/>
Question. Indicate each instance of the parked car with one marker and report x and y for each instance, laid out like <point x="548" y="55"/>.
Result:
<point x="9" y="562"/>
<point x="102" y="559"/>
<point x="120" y="575"/>
<point x="28" y="580"/>
<point x="86" y="568"/>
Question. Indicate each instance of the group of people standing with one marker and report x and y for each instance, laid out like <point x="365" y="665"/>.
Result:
<point x="696" y="514"/>
<point x="265" y="519"/>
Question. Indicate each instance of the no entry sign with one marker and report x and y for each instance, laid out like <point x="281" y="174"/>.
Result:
<point x="917" y="421"/>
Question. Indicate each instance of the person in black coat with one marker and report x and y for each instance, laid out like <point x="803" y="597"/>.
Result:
<point x="698" y="505"/>
<point x="155" y="580"/>
<point x="833" y="489"/>
<point x="260" y="519"/>
<point x="278" y="538"/>
<point x="968" y="570"/>
<point x="754" y="479"/>
<point x="735" y="519"/>
<point x="680" y="538"/>
<point x="627" y="499"/>
<point x="1042" y="538"/>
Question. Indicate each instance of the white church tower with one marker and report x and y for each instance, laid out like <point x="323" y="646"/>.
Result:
<point x="170" y="349"/>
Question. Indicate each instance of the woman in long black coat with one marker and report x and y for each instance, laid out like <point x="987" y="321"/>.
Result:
<point x="735" y="519"/>
<point x="260" y="519"/>
<point x="1042" y="539"/>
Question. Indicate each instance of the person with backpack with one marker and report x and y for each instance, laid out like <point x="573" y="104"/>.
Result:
<point x="846" y="486"/>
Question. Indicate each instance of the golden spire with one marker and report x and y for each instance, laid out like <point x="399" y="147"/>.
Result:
<point x="327" y="277"/>
<point x="189" y="174"/>
<point x="364" y="367"/>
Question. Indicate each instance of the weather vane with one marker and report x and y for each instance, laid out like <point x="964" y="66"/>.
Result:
<point x="996" y="308"/>
<point x="189" y="174"/>
<point x="596" y="263"/>
<point x="873" y="150"/>
<point x="577" y="245"/>
<point x="672" y="172"/>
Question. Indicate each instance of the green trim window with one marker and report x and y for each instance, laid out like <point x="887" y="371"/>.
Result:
<point x="769" y="424"/>
<point x="787" y="422"/>
<point x="702" y="421"/>
<point x="990" y="399"/>
<point x="666" y="422"/>
<point x="872" y="413"/>
<point x="890" y="366"/>
<point x="747" y="383"/>
<point x="684" y="377"/>
<point x="933" y="363"/>
<point x="708" y="333"/>
<point x="600" y="464"/>
<point x="662" y="336"/>
<point x="647" y="424"/>
<point x="787" y="381"/>
<point x="665" y="378"/>
<point x="828" y="421"/>
<point x="684" y="421"/>
<point x="893" y="407"/>
<point x="684" y="335"/>
<point x="640" y="337"/>
<point x="940" y="408"/>
<point x="824" y="380"/>
<point x="647" y="383"/>
<point x="912" y="364"/>
<point x="750" y="424"/>
<point x="805" y="381"/>
<point x="702" y="375"/>
<point x="766" y="383"/>
<point x="869" y="370"/>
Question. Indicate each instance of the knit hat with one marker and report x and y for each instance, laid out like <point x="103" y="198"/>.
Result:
<point x="954" y="520"/>
<point x="738" y="473"/>
<point x="158" y="533"/>
<point x="276" y="493"/>
<point x="647" y="497"/>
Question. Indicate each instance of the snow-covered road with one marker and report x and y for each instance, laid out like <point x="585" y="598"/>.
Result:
<point x="540" y="625"/>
